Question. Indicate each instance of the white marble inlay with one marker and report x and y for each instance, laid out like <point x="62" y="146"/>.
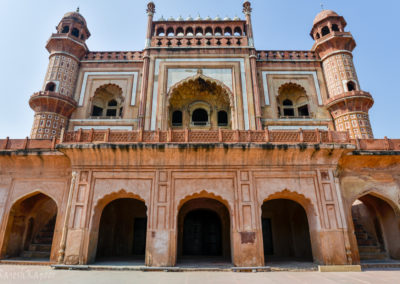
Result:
<point x="242" y="76"/>
<point x="291" y="127"/>
<point x="177" y="75"/>
<point x="313" y="73"/>
<point x="112" y="127"/>
<point x="87" y="74"/>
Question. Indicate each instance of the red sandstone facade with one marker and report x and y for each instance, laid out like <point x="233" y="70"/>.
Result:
<point x="200" y="146"/>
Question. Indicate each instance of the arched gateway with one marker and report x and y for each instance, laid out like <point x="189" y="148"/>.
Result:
<point x="376" y="228"/>
<point x="122" y="231"/>
<point x="203" y="232"/>
<point x="285" y="229"/>
<point x="30" y="228"/>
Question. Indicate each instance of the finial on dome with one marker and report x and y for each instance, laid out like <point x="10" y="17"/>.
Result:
<point x="247" y="7"/>
<point x="322" y="6"/>
<point x="151" y="8"/>
<point x="77" y="9"/>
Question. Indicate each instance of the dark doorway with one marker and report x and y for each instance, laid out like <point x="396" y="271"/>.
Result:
<point x="122" y="231"/>
<point x="285" y="229"/>
<point x="267" y="236"/>
<point x="202" y="233"/>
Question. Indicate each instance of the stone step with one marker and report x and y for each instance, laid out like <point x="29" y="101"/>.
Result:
<point x="47" y="234"/>
<point x="35" y="254"/>
<point x="43" y="240"/>
<point x="373" y="256"/>
<point x="40" y="247"/>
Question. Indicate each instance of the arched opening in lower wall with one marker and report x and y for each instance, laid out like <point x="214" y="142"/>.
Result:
<point x="122" y="232"/>
<point x="377" y="229"/>
<point x="286" y="234"/>
<point x="203" y="233"/>
<point x="30" y="229"/>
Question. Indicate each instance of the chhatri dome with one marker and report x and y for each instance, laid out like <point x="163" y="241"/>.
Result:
<point x="323" y="15"/>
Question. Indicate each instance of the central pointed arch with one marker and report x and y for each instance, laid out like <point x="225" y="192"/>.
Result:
<point x="199" y="93"/>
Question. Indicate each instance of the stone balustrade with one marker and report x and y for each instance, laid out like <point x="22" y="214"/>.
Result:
<point x="202" y="136"/>
<point x="206" y="136"/>
<point x="199" y="41"/>
<point x="265" y="55"/>
<point x="27" y="144"/>
<point x="114" y="56"/>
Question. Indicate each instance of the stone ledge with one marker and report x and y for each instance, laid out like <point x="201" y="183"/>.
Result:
<point x="339" y="268"/>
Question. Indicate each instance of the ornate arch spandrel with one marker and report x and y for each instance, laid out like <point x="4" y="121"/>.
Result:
<point x="203" y="194"/>
<point x="187" y="80"/>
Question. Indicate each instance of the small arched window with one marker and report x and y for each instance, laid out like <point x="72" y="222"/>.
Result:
<point x="189" y="31"/>
<point x="218" y="31"/>
<point x="180" y="32"/>
<point x="351" y="86"/>
<point x="50" y="87"/>
<point x="199" y="31"/>
<point x="325" y="30"/>
<point x="222" y="118"/>
<point x="335" y="28"/>
<point x="65" y="30"/>
<point x="228" y="31"/>
<point x="160" y="32"/>
<point x="200" y="117"/>
<point x="170" y="32"/>
<point x="238" y="31"/>
<point x="177" y="118"/>
<point x="318" y="36"/>
<point x="208" y="31"/>
<point x="75" y="32"/>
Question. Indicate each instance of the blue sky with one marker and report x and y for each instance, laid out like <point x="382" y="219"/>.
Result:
<point x="120" y="25"/>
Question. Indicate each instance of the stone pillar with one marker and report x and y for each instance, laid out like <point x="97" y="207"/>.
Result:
<point x="247" y="232"/>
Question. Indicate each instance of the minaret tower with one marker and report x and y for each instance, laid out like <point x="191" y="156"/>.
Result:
<point x="347" y="103"/>
<point x="54" y="104"/>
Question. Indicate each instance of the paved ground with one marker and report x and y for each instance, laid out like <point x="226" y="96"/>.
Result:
<point x="45" y="274"/>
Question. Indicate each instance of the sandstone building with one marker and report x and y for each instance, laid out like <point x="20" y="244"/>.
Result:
<point x="200" y="147"/>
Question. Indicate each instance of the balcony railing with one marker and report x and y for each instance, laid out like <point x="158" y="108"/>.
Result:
<point x="201" y="136"/>
<point x="206" y="136"/>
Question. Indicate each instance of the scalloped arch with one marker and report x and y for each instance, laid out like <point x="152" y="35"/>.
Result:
<point x="204" y="194"/>
<point x="220" y="84"/>
<point x="305" y="202"/>
<point x="106" y="85"/>
<point x="291" y="85"/>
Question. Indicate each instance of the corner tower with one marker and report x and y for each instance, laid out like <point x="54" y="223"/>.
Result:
<point x="347" y="103"/>
<point x="54" y="104"/>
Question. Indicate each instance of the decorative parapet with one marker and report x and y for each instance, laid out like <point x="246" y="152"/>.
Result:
<point x="199" y="41"/>
<point x="378" y="144"/>
<point x="113" y="56"/>
<point x="202" y="136"/>
<point x="206" y="136"/>
<point x="290" y="55"/>
<point x="27" y="144"/>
